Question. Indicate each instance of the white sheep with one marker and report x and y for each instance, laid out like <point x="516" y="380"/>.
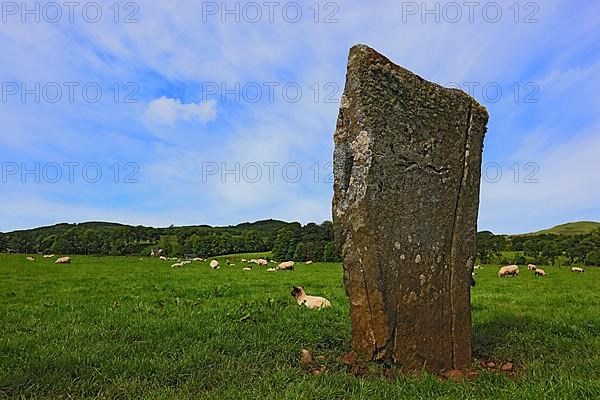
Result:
<point x="577" y="269"/>
<point x="512" y="270"/>
<point x="63" y="260"/>
<point x="311" y="302"/>
<point x="531" y="267"/>
<point x="287" y="266"/>
<point x="214" y="264"/>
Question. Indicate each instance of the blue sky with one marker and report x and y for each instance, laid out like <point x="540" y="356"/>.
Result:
<point x="175" y="124"/>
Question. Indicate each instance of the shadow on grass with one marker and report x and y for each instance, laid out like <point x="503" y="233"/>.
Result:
<point x="503" y="331"/>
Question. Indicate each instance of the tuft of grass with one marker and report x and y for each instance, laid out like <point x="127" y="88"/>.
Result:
<point x="125" y="327"/>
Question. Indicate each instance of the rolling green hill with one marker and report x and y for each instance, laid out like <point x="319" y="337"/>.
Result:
<point x="570" y="228"/>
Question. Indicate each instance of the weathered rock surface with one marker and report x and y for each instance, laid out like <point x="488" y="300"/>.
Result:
<point x="406" y="195"/>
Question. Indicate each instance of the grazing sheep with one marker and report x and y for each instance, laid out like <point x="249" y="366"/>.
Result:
<point x="512" y="270"/>
<point x="311" y="302"/>
<point x="539" y="272"/>
<point x="247" y="269"/>
<point x="163" y="258"/>
<point x="308" y="262"/>
<point x="30" y="259"/>
<point x="271" y="270"/>
<point x="177" y="265"/>
<point x="287" y="266"/>
<point x="253" y="261"/>
<point x="214" y="264"/>
<point x="63" y="260"/>
<point x="262" y="262"/>
<point x="531" y="267"/>
<point x="577" y="269"/>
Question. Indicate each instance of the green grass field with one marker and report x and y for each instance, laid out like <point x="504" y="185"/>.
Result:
<point x="130" y="328"/>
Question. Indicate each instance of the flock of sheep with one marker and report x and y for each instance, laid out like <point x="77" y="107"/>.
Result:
<point x="513" y="270"/>
<point x="214" y="264"/>
<point x="60" y="260"/>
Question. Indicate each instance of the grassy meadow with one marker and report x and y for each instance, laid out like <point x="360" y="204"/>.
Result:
<point x="132" y="328"/>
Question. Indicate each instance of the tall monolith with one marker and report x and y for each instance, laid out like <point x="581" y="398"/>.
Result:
<point x="407" y="166"/>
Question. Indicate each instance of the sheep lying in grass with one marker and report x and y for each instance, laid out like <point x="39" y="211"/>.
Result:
<point x="577" y="269"/>
<point x="311" y="302"/>
<point x="214" y="264"/>
<point x="308" y="262"/>
<point x="512" y="270"/>
<point x="262" y="262"/>
<point x="63" y="260"/>
<point x="30" y="259"/>
<point x="177" y="265"/>
<point x="247" y="269"/>
<point x="163" y="258"/>
<point x="271" y="270"/>
<point x="539" y="272"/>
<point x="49" y="256"/>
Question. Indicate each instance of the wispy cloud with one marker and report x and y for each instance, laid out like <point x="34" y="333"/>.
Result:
<point x="166" y="111"/>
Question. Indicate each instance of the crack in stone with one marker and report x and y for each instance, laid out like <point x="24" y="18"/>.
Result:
<point x="452" y="260"/>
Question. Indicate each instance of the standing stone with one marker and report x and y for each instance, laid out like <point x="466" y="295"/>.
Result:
<point x="406" y="195"/>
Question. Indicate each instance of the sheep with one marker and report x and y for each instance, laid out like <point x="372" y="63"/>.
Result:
<point x="253" y="261"/>
<point x="197" y="259"/>
<point x="262" y="262"/>
<point x="30" y="259"/>
<point x="308" y="262"/>
<point x="539" y="272"/>
<point x="531" y="267"/>
<point x="577" y="269"/>
<point x="185" y="262"/>
<point x="49" y="256"/>
<point x="512" y="270"/>
<point x="177" y="265"/>
<point x="247" y="269"/>
<point x="163" y="258"/>
<point x="214" y="264"/>
<point x="63" y="260"/>
<point x="244" y="260"/>
<point x="287" y="266"/>
<point x="312" y="302"/>
<point x="478" y="267"/>
<point x="271" y="270"/>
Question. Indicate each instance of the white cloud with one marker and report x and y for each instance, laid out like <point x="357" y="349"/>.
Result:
<point x="167" y="111"/>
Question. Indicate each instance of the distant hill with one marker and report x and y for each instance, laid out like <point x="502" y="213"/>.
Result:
<point x="570" y="228"/>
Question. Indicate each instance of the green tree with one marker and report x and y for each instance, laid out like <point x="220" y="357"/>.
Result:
<point x="330" y="253"/>
<point x="300" y="253"/>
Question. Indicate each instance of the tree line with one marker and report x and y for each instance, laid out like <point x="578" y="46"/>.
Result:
<point x="543" y="249"/>
<point x="287" y="241"/>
